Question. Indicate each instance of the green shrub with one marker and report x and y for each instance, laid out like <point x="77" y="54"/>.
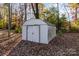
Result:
<point x="2" y="23"/>
<point x="18" y="30"/>
<point x="13" y="26"/>
<point x="60" y="33"/>
<point x="64" y="30"/>
<point x="73" y="29"/>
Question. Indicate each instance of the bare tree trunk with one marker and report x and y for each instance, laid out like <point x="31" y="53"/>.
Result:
<point x="69" y="18"/>
<point x="58" y="27"/>
<point x="76" y="13"/>
<point x="33" y="9"/>
<point x="37" y="11"/>
<point x="25" y="5"/>
<point x="9" y="20"/>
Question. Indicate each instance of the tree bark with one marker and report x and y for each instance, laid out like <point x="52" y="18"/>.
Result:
<point x="33" y="9"/>
<point x="58" y="27"/>
<point x="25" y="5"/>
<point x="76" y="13"/>
<point x="9" y="20"/>
<point x="37" y="11"/>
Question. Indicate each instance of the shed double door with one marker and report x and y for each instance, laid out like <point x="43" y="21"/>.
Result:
<point x="33" y="33"/>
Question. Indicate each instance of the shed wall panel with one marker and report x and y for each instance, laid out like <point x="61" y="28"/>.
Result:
<point x="24" y="32"/>
<point x="51" y="32"/>
<point x="33" y="33"/>
<point x="44" y="34"/>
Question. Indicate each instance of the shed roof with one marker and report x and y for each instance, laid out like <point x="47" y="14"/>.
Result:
<point x="35" y="22"/>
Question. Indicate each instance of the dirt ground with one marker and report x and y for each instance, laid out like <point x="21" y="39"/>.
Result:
<point x="65" y="45"/>
<point x="7" y="43"/>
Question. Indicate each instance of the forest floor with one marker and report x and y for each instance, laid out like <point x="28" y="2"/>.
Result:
<point x="8" y="43"/>
<point x="64" y="45"/>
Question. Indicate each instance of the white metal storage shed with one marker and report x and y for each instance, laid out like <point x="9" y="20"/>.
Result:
<point x="37" y="30"/>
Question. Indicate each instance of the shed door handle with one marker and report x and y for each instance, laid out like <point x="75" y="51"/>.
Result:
<point x="32" y="33"/>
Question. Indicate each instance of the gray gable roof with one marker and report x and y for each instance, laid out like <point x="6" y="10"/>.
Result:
<point x="34" y="22"/>
<point x="37" y="22"/>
